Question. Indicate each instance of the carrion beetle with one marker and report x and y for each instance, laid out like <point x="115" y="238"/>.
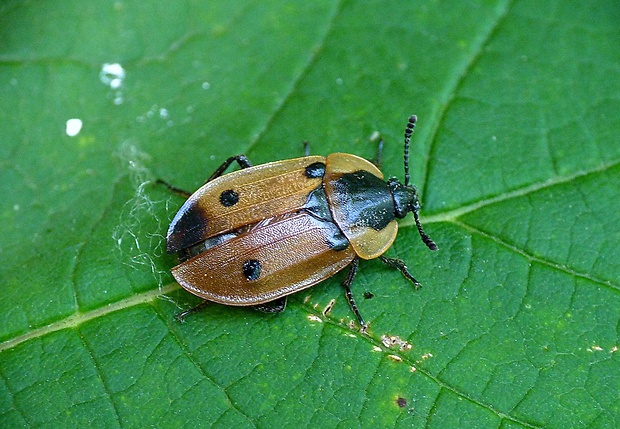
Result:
<point x="256" y="235"/>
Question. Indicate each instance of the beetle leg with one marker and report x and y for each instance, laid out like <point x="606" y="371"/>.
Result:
<point x="346" y="284"/>
<point x="241" y="160"/>
<point x="400" y="266"/>
<point x="181" y="316"/>
<point x="306" y="148"/>
<point x="174" y="189"/>
<point x="275" y="306"/>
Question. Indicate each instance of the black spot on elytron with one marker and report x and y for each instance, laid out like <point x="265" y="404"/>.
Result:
<point x="401" y="402"/>
<point x="369" y="295"/>
<point x="315" y="170"/>
<point x="229" y="198"/>
<point x="251" y="269"/>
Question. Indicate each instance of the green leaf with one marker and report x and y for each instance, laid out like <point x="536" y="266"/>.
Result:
<point x="516" y="156"/>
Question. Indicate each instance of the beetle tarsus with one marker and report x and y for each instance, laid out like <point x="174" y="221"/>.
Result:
<point x="182" y="315"/>
<point x="346" y="284"/>
<point x="174" y="189"/>
<point x="402" y="267"/>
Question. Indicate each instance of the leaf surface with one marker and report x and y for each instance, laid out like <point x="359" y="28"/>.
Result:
<point x="516" y="156"/>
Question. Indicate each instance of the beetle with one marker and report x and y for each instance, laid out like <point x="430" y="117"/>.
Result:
<point x="258" y="234"/>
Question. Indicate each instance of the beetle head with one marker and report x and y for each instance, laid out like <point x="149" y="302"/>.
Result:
<point x="406" y="200"/>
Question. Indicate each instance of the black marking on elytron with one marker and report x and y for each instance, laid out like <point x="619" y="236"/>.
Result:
<point x="337" y="240"/>
<point x="252" y="269"/>
<point x="315" y="170"/>
<point x="317" y="204"/>
<point x="364" y="199"/>
<point x="229" y="198"/>
<point x="189" y="228"/>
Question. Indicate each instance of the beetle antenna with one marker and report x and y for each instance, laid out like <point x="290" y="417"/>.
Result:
<point x="425" y="238"/>
<point x="408" y="133"/>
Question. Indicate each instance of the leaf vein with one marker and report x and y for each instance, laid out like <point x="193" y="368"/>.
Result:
<point x="561" y="267"/>
<point x="452" y="86"/>
<point x="100" y="377"/>
<point x="299" y="78"/>
<point x="452" y="215"/>
<point x="190" y="356"/>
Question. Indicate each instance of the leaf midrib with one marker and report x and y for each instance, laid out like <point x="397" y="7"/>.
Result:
<point x="374" y="342"/>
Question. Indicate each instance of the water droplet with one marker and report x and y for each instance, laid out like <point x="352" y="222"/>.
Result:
<point x="73" y="127"/>
<point x="112" y="75"/>
<point x="206" y="85"/>
<point x="339" y="81"/>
